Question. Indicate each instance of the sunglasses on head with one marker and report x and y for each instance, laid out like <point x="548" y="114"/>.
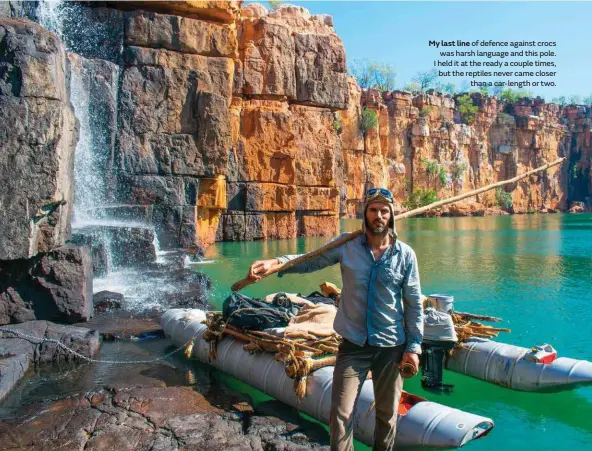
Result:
<point x="382" y="191"/>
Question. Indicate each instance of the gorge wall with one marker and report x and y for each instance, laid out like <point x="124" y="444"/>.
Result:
<point x="229" y="123"/>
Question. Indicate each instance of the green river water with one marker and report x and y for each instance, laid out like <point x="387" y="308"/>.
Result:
<point x="534" y="271"/>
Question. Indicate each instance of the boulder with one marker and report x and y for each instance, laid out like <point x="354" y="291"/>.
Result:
<point x="12" y="369"/>
<point x="105" y="301"/>
<point x="79" y="339"/>
<point x="99" y="251"/>
<point x="318" y="225"/>
<point x="53" y="286"/>
<point x="38" y="134"/>
<point x="128" y="245"/>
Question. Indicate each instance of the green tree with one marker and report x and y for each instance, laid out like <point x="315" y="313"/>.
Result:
<point x="575" y="100"/>
<point x="368" y="121"/>
<point x="561" y="101"/>
<point x="275" y="4"/>
<point x="457" y="170"/>
<point x="426" y="110"/>
<point x="443" y="177"/>
<point x="371" y="74"/>
<point x="588" y="100"/>
<point x="466" y="108"/>
<point x="497" y="90"/>
<point x="503" y="198"/>
<point x="426" y="79"/>
<point x="412" y="87"/>
<point x="337" y="126"/>
<point x="419" y="198"/>
<point x="449" y="88"/>
<point x="508" y="95"/>
<point x="432" y="169"/>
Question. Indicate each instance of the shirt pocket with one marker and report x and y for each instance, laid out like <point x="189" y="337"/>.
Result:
<point x="390" y="278"/>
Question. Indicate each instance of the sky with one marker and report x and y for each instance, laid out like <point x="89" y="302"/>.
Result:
<point x="398" y="33"/>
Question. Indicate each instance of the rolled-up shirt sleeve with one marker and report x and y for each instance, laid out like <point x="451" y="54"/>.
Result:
<point x="413" y="306"/>
<point x="317" y="263"/>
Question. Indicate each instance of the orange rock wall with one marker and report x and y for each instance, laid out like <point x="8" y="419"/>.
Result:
<point x="503" y="141"/>
<point x="241" y="124"/>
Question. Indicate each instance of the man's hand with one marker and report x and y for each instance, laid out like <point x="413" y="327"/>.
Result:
<point x="412" y="359"/>
<point x="260" y="267"/>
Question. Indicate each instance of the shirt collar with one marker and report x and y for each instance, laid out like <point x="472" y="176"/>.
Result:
<point x="395" y="247"/>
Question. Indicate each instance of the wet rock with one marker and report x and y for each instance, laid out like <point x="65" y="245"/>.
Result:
<point x="577" y="207"/>
<point x="35" y="113"/>
<point x="98" y="251"/>
<point x="12" y="369"/>
<point x="128" y="245"/>
<point x="165" y="418"/>
<point x="196" y="298"/>
<point x="105" y="301"/>
<point x="79" y="339"/>
<point x="53" y="286"/>
<point x="123" y="325"/>
<point x="132" y="245"/>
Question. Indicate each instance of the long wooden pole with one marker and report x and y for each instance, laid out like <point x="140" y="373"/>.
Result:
<point x="345" y="238"/>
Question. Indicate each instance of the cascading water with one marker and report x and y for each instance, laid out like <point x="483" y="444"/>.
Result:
<point x="135" y="266"/>
<point x="90" y="157"/>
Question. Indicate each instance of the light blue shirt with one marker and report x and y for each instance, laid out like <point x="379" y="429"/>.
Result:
<point x="381" y="299"/>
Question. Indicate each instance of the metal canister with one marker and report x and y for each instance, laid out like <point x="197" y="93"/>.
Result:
<point x="442" y="302"/>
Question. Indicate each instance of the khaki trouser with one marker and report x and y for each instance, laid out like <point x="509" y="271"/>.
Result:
<point x="351" y="370"/>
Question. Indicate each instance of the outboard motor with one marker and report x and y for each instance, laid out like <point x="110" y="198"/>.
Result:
<point x="439" y="338"/>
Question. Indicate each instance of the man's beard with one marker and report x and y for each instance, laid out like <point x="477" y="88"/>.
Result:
<point x="380" y="229"/>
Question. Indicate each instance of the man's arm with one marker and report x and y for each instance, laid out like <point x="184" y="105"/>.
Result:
<point x="412" y="301"/>
<point x="329" y="258"/>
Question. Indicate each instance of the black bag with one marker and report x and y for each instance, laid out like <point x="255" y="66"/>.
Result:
<point x="254" y="314"/>
<point x="318" y="298"/>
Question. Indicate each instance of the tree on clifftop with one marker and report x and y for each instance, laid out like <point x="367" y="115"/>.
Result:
<point x="426" y="79"/>
<point x="373" y="75"/>
<point x="275" y="4"/>
<point x="466" y="108"/>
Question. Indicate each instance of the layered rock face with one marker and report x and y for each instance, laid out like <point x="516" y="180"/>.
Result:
<point x="38" y="134"/>
<point x="226" y="119"/>
<point x="40" y="276"/>
<point x="420" y="144"/>
<point x="285" y="165"/>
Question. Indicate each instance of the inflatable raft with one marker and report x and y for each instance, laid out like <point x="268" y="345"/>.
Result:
<point x="510" y="366"/>
<point x="421" y="423"/>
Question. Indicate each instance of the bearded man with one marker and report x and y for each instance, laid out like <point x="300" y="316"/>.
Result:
<point x="380" y="318"/>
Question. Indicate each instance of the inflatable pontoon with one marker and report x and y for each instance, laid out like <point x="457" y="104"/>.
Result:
<point x="512" y="366"/>
<point x="420" y="422"/>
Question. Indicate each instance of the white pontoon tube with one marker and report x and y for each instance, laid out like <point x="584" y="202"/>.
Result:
<point x="420" y="422"/>
<point x="505" y="365"/>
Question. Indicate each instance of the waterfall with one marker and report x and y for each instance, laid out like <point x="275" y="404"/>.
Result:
<point x="91" y="156"/>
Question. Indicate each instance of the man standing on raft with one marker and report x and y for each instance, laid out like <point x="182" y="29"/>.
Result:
<point x="380" y="318"/>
